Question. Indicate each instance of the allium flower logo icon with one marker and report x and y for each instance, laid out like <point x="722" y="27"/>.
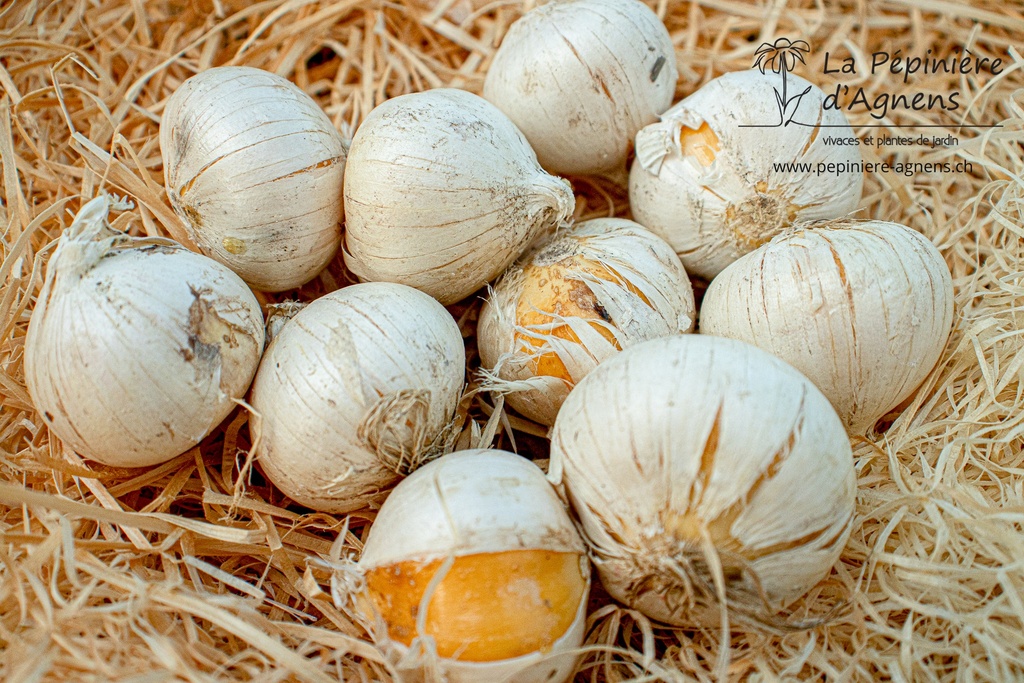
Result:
<point x="781" y="57"/>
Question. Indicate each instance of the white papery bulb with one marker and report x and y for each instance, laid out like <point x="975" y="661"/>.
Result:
<point x="584" y="295"/>
<point x="694" y="462"/>
<point x="707" y="176"/>
<point x="862" y="309"/>
<point x="581" y="77"/>
<point x="443" y="192"/>
<point x="474" y="558"/>
<point x="359" y="387"/>
<point x="137" y="348"/>
<point x="254" y="168"/>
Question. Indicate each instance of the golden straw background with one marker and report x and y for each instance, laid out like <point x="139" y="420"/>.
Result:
<point x="193" y="571"/>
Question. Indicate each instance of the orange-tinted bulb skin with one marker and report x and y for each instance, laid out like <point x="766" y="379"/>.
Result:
<point x="700" y="143"/>
<point x="487" y="607"/>
<point x="548" y="290"/>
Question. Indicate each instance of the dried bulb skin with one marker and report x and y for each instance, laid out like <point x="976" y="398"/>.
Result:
<point x="572" y="302"/>
<point x="254" y="168"/>
<point x="443" y="192"/>
<point x="476" y="553"/>
<point x="705" y="178"/>
<point x="862" y="309"/>
<point x="580" y="78"/>
<point x="692" y="452"/>
<point x="359" y="387"/>
<point x="137" y="348"/>
<point x="279" y="314"/>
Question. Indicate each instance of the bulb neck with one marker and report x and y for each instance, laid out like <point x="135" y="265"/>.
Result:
<point x="90" y="238"/>
<point x="551" y="203"/>
<point x="87" y="240"/>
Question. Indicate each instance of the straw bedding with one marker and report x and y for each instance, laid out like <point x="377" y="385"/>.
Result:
<point x="197" y="570"/>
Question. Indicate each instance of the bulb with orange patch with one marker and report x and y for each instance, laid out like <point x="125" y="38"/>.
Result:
<point x="474" y="568"/>
<point x="577" y="299"/>
<point x="730" y="167"/>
